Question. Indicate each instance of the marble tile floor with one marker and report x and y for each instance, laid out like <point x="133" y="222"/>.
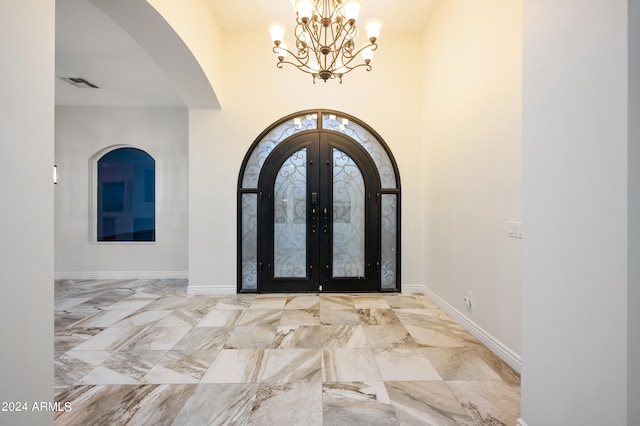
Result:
<point x="143" y="352"/>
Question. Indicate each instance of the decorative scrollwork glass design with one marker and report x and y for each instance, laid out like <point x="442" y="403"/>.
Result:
<point x="368" y="142"/>
<point x="270" y="141"/>
<point x="348" y="217"/>
<point x="249" y="241"/>
<point x="290" y="218"/>
<point x="389" y="238"/>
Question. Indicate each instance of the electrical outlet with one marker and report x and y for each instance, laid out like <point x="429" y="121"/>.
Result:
<point x="467" y="300"/>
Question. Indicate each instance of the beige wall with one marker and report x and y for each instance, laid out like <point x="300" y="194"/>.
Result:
<point x="633" y="297"/>
<point x="196" y="25"/>
<point x="82" y="136"/>
<point x="472" y="156"/>
<point x="576" y="171"/>
<point x="26" y="216"/>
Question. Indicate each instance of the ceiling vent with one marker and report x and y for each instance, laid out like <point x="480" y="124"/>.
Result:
<point x="79" y="82"/>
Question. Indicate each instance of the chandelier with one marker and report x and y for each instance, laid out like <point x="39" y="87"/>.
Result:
<point x="325" y="35"/>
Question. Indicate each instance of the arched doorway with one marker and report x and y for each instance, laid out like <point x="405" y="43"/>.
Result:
<point x="318" y="208"/>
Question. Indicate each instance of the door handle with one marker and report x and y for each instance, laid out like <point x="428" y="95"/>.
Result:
<point x="314" y="219"/>
<point x="325" y="219"/>
<point x="314" y="211"/>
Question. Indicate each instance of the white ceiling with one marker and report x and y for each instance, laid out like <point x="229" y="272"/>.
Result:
<point x="397" y="15"/>
<point x="90" y="45"/>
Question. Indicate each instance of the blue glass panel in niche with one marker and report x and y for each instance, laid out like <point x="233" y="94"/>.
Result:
<point x="126" y="196"/>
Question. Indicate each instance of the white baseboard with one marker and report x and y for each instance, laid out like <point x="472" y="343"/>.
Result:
<point x="520" y="422"/>
<point x="413" y="288"/>
<point x="120" y="275"/>
<point x="497" y="347"/>
<point x="211" y="290"/>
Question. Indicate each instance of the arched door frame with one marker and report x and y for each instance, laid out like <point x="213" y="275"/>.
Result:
<point x="353" y="130"/>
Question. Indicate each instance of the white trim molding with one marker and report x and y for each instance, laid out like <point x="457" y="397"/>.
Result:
<point x="497" y="347"/>
<point x="210" y="290"/>
<point x="120" y="275"/>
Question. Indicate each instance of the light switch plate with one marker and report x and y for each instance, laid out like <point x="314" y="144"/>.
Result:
<point x="515" y="229"/>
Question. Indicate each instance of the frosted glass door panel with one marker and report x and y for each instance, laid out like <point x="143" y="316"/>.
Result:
<point x="249" y="241"/>
<point x="389" y="239"/>
<point x="348" y="217"/>
<point x="359" y="134"/>
<point x="290" y="218"/>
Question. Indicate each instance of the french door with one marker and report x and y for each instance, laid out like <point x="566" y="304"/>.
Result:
<point x="318" y="217"/>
